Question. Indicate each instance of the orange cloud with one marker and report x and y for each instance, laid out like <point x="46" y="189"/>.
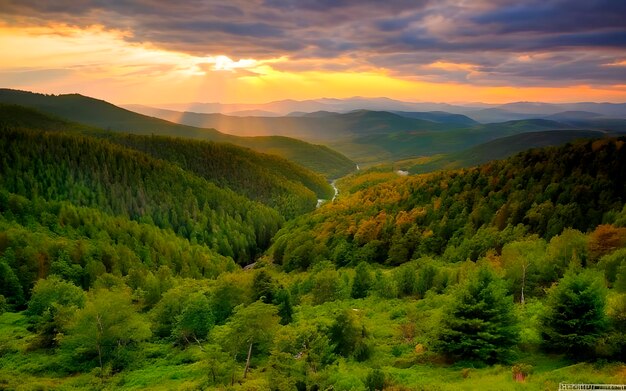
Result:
<point x="104" y="64"/>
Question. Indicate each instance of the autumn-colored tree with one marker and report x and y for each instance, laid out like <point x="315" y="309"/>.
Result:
<point x="604" y="239"/>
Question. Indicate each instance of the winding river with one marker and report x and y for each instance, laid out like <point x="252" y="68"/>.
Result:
<point x="321" y="201"/>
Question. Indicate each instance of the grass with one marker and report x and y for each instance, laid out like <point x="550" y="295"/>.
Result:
<point x="164" y="367"/>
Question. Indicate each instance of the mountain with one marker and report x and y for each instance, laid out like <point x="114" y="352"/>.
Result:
<point x="589" y="120"/>
<point x="459" y="215"/>
<point x="319" y="126"/>
<point x="479" y="111"/>
<point x="572" y="115"/>
<point x="439" y="117"/>
<point x="372" y="137"/>
<point x="94" y="173"/>
<point x="119" y="265"/>
<point x="377" y="148"/>
<point x="271" y="180"/>
<point x="496" y="114"/>
<point x="287" y="106"/>
<point x="104" y="115"/>
<point x="563" y="111"/>
<point x="502" y="148"/>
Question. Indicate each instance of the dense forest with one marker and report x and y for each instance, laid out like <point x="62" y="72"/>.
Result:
<point x="121" y="267"/>
<point x="96" y="113"/>
<point x="269" y="179"/>
<point x="461" y="215"/>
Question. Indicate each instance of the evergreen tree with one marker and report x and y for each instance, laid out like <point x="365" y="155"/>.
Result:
<point x="576" y="317"/>
<point x="282" y="300"/>
<point x="362" y="281"/>
<point x="263" y="287"/>
<point x="348" y="336"/>
<point x="10" y="286"/>
<point x="479" y="324"/>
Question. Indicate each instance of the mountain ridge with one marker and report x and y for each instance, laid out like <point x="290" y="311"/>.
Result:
<point x="101" y="114"/>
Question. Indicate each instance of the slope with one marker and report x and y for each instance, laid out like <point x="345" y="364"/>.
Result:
<point x="269" y="179"/>
<point x="461" y="214"/>
<point x="89" y="172"/>
<point x="502" y="148"/>
<point x="320" y="126"/>
<point x="377" y="148"/>
<point x="104" y="115"/>
<point x="370" y="137"/>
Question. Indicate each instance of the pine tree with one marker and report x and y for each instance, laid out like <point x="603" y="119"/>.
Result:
<point x="362" y="281"/>
<point x="479" y="324"/>
<point x="575" y="319"/>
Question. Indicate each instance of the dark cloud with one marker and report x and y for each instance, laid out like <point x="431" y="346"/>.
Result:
<point x="556" y="16"/>
<point x="564" y="41"/>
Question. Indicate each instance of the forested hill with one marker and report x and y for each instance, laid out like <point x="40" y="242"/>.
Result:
<point x="117" y="181"/>
<point x="274" y="181"/>
<point x="101" y="114"/>
<point x="462" y="214"/>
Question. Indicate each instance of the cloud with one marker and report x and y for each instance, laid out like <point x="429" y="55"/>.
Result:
<point x="565" y="41"/>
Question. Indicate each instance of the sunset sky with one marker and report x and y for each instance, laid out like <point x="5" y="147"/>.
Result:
<point x="253" y="51"/>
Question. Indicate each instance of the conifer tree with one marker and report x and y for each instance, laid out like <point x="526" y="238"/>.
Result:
<point x="576" y="317"/>
<point x="479" y="324"/>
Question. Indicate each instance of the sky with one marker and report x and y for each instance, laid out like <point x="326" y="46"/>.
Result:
<point x="255" y="51"/>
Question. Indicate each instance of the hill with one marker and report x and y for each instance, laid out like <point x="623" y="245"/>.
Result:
<point x="319" y="126"/>
<point x="439" y="117"/>
<point x="106" y="116"/>
<point x="445" y="214"/>
<point x="269" y="179"/>
<point x="377" y="148"/>
<point x="502" y="148"/>
<point x="371" y="137"/>
<point x="94" y="173"/>
<point x="133" y="290"/>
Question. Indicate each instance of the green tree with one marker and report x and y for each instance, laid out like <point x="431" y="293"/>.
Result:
<point x="263" y="287"/>
<point x="520" y="260"/>
<point x="406" y="279"/>
<point x="10" y="286"/>
<point x="64" y="267"/>
<point x="53" y="291"/>
<point x="105" y="329"/>
<point x="282" y="300"/>
<point x="220" y="365"/>
<point x="575" y="318"/>
<point x="479" y="323"/>
<point x="349" y="336"/>
<point x="224" y="298"/>
<point x="3" y="304"/>
<point x="375" y="380"/>
<point x="195" y="321"/>
<point x="250" y="330"/>
<point x="612" y="263"/>
<point x="326" y="286"/>
<point x="362" y="281"/>
<point x="50" y="305"/>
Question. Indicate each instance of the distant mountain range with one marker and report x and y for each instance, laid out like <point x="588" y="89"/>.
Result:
<point x="371" y="137"/>
<point x="331" y="142"/>
<point x="481" y="112"/>
<point x="497" y="149"/>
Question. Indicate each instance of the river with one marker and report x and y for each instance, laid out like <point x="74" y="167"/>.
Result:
<point x="321" y="201"/>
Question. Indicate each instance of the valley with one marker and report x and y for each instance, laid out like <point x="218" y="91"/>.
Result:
<point x="169" y="259"/>
<point x="308" y="195"/>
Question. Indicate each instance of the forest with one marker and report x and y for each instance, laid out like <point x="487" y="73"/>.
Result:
<point x="155" y="262"/>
